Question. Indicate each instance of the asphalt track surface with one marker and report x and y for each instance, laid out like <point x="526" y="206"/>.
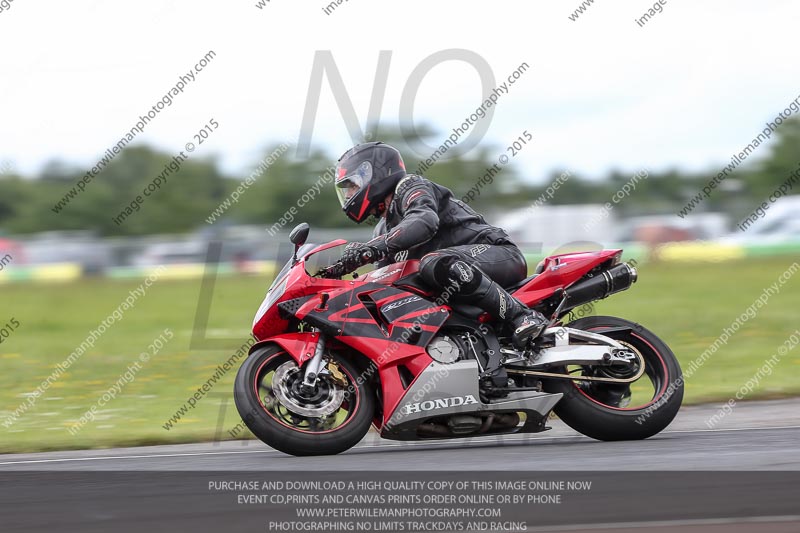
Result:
<point x="748" y="465"/>
<point x="755" y="436"/>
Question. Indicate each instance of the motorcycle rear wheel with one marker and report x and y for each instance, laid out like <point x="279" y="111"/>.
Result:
<point x="599" y="410"/>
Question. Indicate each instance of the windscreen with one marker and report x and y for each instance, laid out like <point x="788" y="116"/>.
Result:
<point x="318" y="260"/>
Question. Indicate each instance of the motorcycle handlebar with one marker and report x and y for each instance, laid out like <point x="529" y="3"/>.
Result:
<point x="337" y="269"/>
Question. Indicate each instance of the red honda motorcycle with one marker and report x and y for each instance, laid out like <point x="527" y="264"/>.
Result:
<point x="336" y="355"/>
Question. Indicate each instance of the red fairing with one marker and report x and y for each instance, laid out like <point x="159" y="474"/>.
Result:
<point x="386" y="318"/>
<point x="340" y="304"/>
<point x="298" y="284"/>
<point x="561" y="271"/>
<point x="300" y="346"/>
<point x="388" y="356"/>
<point x="392" y="386"/>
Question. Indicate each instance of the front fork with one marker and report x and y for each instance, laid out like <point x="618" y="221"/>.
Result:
<point x="316" y="365"/>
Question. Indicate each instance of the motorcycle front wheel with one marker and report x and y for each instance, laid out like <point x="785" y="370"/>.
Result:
<point x="327" y="420"/>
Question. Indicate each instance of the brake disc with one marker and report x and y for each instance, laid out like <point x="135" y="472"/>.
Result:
<point x="324" y="401"/>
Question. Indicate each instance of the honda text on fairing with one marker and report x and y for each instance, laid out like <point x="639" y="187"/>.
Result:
<point x="335" y="356"/>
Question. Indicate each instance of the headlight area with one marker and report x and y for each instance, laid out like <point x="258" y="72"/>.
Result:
<point x="273" y="295"/>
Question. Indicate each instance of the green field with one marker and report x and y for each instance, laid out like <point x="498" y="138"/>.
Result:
<point x="688" y="305"/>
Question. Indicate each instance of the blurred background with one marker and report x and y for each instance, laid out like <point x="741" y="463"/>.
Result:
<point x="614" y="107"/>
<point x="641" y="210"/>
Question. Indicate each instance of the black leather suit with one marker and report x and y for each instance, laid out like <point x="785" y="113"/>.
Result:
<point x="424" y="221"/>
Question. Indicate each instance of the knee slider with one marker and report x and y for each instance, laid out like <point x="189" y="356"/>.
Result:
<point x="467" y="277"/>
<point x="435" y="268"/>
<point x="441" y="269"/>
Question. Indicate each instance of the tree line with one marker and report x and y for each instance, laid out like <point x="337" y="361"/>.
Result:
<point x="199" y="188"/>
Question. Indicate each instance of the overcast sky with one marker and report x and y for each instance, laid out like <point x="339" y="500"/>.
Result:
<point x="687" y="90"/>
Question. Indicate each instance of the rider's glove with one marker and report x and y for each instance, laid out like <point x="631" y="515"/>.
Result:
<point x="358" y="254"/>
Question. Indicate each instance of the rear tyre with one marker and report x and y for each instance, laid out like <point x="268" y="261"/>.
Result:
<point x="329" y="420"/>
<point x="603" y="411"/>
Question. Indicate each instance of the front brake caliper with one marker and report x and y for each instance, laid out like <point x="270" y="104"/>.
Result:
<point x="336" y="374"/>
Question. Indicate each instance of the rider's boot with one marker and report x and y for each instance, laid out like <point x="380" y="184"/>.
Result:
<point x="475" y="288"/>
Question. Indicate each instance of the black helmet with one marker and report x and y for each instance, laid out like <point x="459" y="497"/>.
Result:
<point x="365" y="175"/>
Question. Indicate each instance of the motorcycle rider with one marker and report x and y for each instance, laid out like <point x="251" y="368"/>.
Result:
<point x="420" y="219"/>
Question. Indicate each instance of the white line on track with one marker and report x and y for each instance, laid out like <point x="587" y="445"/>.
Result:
<point x="487" y="439"/>
<point x="669" y="523"/>
<point x="103" y="458"/>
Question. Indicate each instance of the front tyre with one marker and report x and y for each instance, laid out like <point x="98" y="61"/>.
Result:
<point x="328" y="420"/>
<point x="627" y="412"/>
